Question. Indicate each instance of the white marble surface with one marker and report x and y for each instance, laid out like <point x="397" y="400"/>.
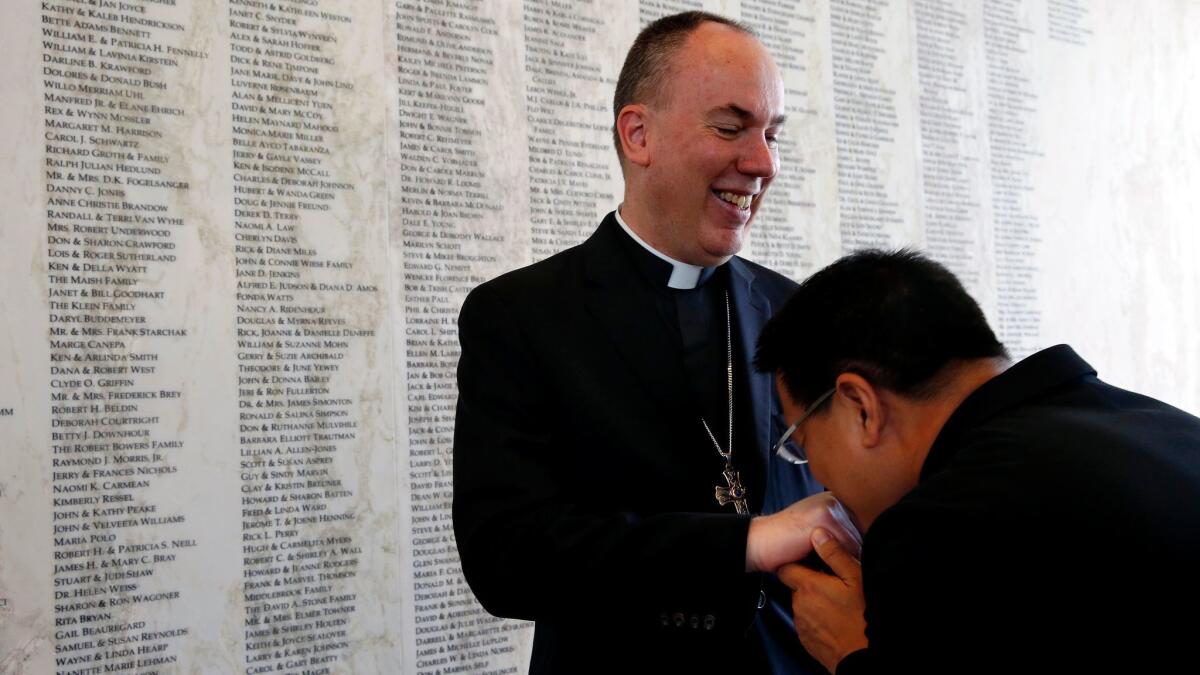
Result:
<point x="446" y="171"/>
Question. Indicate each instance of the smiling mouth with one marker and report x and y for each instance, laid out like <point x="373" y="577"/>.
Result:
<point x="740" y="201"/>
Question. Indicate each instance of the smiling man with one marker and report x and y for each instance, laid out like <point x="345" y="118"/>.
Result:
<point x="1018" y="518"/>
<point x="612" y="443"/>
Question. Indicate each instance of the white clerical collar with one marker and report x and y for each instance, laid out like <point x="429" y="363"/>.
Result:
<point x="683" y="275"/>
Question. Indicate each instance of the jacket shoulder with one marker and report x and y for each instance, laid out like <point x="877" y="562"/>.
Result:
<point x="775" y="285"/>
<point x="534" y="283"/>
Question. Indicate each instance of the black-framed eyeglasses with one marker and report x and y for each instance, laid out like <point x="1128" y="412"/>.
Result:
<point x="799" y="456"/>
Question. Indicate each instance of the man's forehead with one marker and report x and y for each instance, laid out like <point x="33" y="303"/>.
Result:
<point x="726" y="56"/>
<point x="714" y="45"/>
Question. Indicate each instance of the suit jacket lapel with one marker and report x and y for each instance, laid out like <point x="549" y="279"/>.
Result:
<point x="753" y="310"/>
<point x="639" y="323"/>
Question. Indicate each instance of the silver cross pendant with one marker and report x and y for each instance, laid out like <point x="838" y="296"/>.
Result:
<point x="735" y="492"/>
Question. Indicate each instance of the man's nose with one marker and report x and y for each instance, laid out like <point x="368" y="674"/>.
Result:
<point x="759" y="158"/>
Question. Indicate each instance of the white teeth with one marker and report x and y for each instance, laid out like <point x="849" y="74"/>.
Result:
<point x="741" y="201"/>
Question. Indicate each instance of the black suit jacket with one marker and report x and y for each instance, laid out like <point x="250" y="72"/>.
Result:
<point x="583" y="479"/>
<point x="1056" y="529"/>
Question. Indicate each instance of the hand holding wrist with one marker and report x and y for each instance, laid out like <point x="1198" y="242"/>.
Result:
<point x="780" y="538"/>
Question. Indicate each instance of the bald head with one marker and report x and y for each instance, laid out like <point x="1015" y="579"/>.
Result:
<point x="649" y="64"/>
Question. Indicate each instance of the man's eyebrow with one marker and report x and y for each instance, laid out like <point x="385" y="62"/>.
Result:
<point x="743" y="114"/>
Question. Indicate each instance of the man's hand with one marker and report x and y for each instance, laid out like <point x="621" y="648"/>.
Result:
<point x="786" y="536"/>
<point x="828" y="609"/>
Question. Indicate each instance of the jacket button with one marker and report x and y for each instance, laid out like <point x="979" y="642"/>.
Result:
<point x="664" y="619"/>
<point x="709" y="621"/>
<point x="694" y="621"/>
<point x="677" y="617"/>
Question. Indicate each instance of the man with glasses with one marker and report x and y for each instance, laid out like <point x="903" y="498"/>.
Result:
<point x="1018" y="517"/>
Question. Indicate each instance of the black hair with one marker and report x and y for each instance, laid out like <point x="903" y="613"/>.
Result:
<point x="896" y="318"/>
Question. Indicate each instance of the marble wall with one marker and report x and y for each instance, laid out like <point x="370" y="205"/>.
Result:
<point x="236" y="235"/>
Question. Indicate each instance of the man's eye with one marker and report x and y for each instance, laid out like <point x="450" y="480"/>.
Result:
<point x="727" y="131"/>
<point x="772" y="140"/>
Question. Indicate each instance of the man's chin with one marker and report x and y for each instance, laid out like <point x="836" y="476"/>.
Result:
<point x="725" y="247"/>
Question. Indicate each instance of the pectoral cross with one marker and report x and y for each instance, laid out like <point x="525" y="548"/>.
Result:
<point x="735" y="493"/>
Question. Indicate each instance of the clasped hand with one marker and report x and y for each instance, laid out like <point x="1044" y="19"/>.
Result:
<point x="828" y="609"/>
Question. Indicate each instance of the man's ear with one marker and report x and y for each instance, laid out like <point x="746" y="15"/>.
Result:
<point x="631" y="129"/>
<point x="866" y="405"/>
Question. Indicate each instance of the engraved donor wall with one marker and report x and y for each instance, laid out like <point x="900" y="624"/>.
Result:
<point x="236" y="235"/>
